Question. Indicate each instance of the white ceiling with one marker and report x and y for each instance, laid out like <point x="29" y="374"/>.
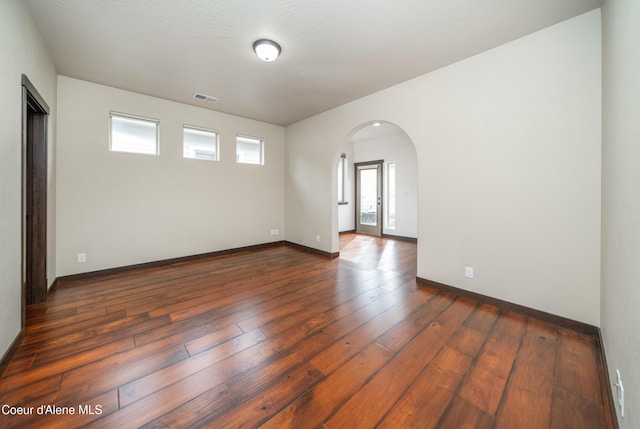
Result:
<point x="333" y="51"/>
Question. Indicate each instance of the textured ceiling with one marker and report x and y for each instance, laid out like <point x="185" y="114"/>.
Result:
<point x="333" y="51"/>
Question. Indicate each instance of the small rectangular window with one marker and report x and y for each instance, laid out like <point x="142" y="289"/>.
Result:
<point x="200" y="143"/>
<point x="133" y="134"/>
<point x="342" y="179"/>
<point x="391" y="196"/>
<point x="249" y="150"/>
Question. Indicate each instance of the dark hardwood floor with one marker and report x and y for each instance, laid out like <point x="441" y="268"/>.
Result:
<point x="278" y="337"/>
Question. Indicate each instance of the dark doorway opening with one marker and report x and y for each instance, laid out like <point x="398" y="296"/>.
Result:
<point x="34" y="196"/>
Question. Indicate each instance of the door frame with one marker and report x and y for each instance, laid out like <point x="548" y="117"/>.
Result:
<point x="367" y="229"/>
<point x="35" y="112"/>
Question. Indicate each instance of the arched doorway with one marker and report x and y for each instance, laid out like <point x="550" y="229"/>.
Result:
<point x="387" y="145"/>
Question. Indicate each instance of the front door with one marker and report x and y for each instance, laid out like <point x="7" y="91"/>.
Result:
<point x="369" y="198"/>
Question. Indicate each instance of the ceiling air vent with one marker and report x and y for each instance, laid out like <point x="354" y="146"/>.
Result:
<point x="206" y="97"/>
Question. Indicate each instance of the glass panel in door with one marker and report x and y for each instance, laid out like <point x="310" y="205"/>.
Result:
<point x="369" y="198"/>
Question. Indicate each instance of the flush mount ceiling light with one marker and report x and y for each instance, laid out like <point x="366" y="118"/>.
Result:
<point x="267" y="50"/>
<point x="376" y="124"/>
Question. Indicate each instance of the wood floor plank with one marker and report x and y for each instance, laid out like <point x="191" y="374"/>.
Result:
<point x="51" y="321"/>
<point x="576" y="370"/>
<point x="369" y="405"/>
<point x="397" y="291"/>
<point x="312" y="408"/>
<point x="400" y="335"/>
<point x="84" y="414"/>
<point x="483" y="319"/>
<point x="528" y="398"/>
<point x="185" y="328"/>
<point x="364" y="326"/>
<point x="269" y="305"/>
<point x="19" y="364"/>
<point x="571" y="410"/>
<point x="111" y="372"/>
<point x="195" y="412"/>
<point x="23" y="380"/>
<point x="318" y="304"/>
<point x="106" y="339"/>
<point x="261" y="375"/>
<point x="212" y="339"/>
<point x="575" y="383"/>
<point x="267" y="403"/>
<point x="29" y="392"/>
<point x="142" y="411"/>
<point x="40" y="314"/>
<point x="280" y="337"/>
<point x="73" y="331"/>
<point x="465" y="415"/>
<point x="468" y="341"/>
<point x="287" y="315"/>
<point x="428" y="398"/>
<point x="484" y="387"/>
<point x="147" y="385"/>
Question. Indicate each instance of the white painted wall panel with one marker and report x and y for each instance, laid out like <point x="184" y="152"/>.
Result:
<point x="123" y="209"/>
<point x="23" y="52"/>
<point x="508" y="150"/>
<point x="620" y="201"/>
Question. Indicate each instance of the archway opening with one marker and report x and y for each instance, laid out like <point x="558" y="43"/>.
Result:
<point x="389" y="145"/>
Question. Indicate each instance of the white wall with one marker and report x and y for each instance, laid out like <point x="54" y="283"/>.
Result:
<point x="22" y="52"/>
<point x="123" y="209"/>
<point x="620" y="199"/>
<point x="508" y="148"/>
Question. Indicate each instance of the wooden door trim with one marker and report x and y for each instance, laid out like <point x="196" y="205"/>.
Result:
<point x="356" y="181"/>
<point x="35" y="113"/>
<point x="35" y="95"/>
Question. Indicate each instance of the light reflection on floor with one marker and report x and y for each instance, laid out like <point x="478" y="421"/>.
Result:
<point x="371" y="252"/>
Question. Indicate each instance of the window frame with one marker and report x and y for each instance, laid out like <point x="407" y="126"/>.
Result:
<point x="262" y="151"/>
<point x="201" y="129"/>
<point x="342" y="179"/>
<point x="391" y="194"/>
<point x="126" y="116"/>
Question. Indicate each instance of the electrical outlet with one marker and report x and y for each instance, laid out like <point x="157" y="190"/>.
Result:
<point x="620" y="389"/>
<point x="82" y="258"/>
<point x="318" y="238"/>
<point x="468" y="272"/>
